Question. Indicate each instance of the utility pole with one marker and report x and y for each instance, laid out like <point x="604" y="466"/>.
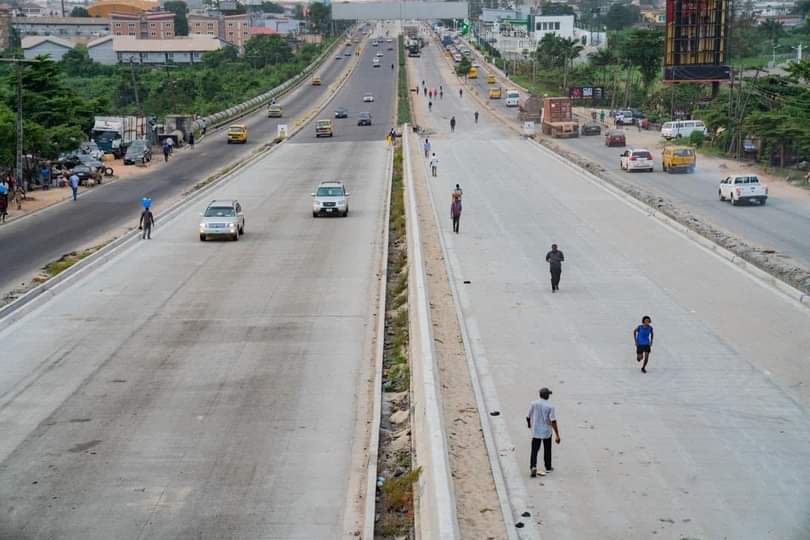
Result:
<point x="135" y="85"/>
<point x="19" y="65"/>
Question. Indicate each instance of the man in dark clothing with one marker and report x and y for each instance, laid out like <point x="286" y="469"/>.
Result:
<point x="146" y="223"/>
<point x="191" y="140"/>
<point x="554" y="258"/>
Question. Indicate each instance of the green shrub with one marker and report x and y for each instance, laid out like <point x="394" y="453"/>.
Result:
<point x="696" y="138"/>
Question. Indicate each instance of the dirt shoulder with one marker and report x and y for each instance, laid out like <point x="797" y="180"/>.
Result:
<point x="477" y="504"/>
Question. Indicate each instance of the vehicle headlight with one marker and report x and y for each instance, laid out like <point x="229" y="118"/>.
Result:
<point x="202" y="227"/>
<point x="231" y="225"/>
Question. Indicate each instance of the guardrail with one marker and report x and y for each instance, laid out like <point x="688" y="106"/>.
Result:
<point x="216" y="120"/>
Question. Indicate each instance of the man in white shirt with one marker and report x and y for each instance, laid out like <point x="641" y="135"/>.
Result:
<point x="541" y="420"/>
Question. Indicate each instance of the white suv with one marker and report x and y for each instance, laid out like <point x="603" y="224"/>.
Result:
<point x="222" y="218"/>
<point x="636" y="159"/>
<point x="330" y="198"/>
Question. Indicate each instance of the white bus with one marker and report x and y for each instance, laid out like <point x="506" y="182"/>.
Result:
<point x="681" y="128"/>
<point x="512" y="97"/>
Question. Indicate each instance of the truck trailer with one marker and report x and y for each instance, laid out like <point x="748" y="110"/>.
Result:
<point x="558" y="119"/>
<point x="113" y="134"/>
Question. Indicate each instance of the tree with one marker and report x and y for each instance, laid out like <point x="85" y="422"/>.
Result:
<point x="743" y="37"/>
<point x="603" y="58"/>
<point x="773" y="30"/>
<point x="553" y="8"/>
<point x="79" y="11"/>
<point x="270" y="7"/>
<point x="644" y="49"/>
<point x="463" y="67"/>
<point x="800" y="70"/>
<point x="180" y="10"/>
<point x="620" y="16"/>
<point x="802" y="8"/>
<point x="319" y="17"/>
<point x="263" y="50"/>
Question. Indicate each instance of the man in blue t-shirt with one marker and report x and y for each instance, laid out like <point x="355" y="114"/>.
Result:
<point x="643" y="338"/>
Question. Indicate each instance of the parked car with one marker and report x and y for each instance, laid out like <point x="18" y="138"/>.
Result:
<point x="364" y="119"/>
<point x="330" y="198"/>
<point x="591" y="128"/>
<point x="678" y="158"/>
<point x="636" y="159"/>
<point x="138" y="152"/>
<point x="86" y="173"/>
<point x="222" y="218"/>
<point x="341" y="112"/>
<point x="615" y="137"/>
<point x="742" y="188"/>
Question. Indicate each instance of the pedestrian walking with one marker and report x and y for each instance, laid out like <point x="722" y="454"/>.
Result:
<point x="166" y="150"/>
<point x="476" y="117"/>
<point x="441" y="93"/>
<point x="170" y="142"/>
<point x="74" y="185"/>
<point x="204" y="126"/>
<point x="542" y="418"/>
<point x="191" y="140"/>
<point x="452" y="124"/>
<point x="554" y="258"/>
<point x="457" y="193"/>
<point x="455" y="212"/>
<point x="146" y="223"/>
<point x="434" y="164"/>
<point x="460" y="93"/>
<point x="3" y="200"/>
<point x="426" y="146"/>
<point x="602" y="116"/>
<point x="417" y="89"/>
<point x="430" y="106"/>
<point x="643" y="338"/>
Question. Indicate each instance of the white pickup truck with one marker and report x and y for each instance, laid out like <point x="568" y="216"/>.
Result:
<point x="742" y="188"/>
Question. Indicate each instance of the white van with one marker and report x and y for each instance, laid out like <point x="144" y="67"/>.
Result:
<point x="512" y="97"/>
<point x="681" y="128"/>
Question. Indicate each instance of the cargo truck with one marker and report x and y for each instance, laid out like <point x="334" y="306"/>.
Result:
<point x="558" y="119"/>
<point x="113" y="134"/>
<point x="530" y="108"/>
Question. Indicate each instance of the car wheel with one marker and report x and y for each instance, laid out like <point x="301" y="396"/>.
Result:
<point x="236" y="237"/>
<point x="314" y="214"/>
<point x="242" y="229"/>
<point x="720" y="194"/>
<point x="346" y="213"/>
<point x="733" y="201"/>
<point x="202" y="238"/>
<point x="762" y="201"/>
<point x="651" y="169"/>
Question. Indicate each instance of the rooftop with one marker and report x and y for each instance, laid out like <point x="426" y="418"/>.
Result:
<point x="29" y="42"/>
<point x="196" y="43"/>
<point x="62" y="20"/>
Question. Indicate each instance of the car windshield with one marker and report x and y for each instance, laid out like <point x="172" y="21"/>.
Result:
<point x="136" y="146"/>
<point x="365" y="115"/>
<point x="219" y="211"/>
<point x="323" y="123"/>
<point x="330" y="192"/>
<point x="236" y="130"/>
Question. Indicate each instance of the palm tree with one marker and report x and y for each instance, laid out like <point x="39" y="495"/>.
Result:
<point x="570" y="49"/>
<point x="603" y="58"/>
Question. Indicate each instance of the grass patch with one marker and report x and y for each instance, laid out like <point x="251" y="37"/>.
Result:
<point x="54" y="268"/>
<point x="403" y="103"/>
<point x="398" y="497"/>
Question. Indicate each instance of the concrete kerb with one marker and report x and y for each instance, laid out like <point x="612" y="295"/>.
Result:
<point x="376" y="405"/>
<point x="17" y="309"/>
<point x="753" y="271"/>
<point x="436" y="498"/>
<point x="217" y="120"/>
<point x="508" y="483"/>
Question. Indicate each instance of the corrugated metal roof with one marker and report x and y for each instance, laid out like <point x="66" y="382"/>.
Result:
<point x="195" y="43"/>
<point x="29" y="42"/>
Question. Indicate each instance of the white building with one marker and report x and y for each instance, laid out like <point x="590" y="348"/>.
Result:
<point x="562" y="25"/>
<point x="64" y="27"/>
<point x="513" y="40"/>
<point x="51" y="46"/>
<point x="125" y="49"/>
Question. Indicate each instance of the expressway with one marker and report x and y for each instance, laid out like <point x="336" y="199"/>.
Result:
<point x="782" y="225"/>
<point x="30" y="243"/>
<point x="210" y="390"/>
<point x="712" y="442"/>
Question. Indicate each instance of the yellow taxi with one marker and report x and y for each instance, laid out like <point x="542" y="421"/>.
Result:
<point x="473" y="73"/>
<point x="495" y="93"/>
<point x="491" y="79"/>
<point x="237" y="133"/>
<point x="275" y="111"/>
<point x="316" y="81"/>
<point x="678" y="158"/>
<point x="323" y="128"/>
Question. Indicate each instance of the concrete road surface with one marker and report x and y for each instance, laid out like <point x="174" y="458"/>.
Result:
<point x="782" y="225"/>
<point x="713" y="442"/>
<point x="28" y="244"/>
<point x="206" y="390"/>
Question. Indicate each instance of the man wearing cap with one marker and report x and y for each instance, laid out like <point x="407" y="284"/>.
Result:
<point x="541" y="420"/>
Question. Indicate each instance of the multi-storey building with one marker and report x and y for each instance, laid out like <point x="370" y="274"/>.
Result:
<point x="232" y="29"/>
<point x="73" y="28"/>
<point x="145" y="25"/>
<point x="5" y="27"/>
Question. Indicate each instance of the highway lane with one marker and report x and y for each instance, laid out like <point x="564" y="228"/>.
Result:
<point x="29" y="244"/>
<point x="782" y="225"/>
<point x="207" y="390"/>
<point x="714" y="437"/>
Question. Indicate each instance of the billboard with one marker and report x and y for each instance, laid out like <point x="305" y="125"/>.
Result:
<point x="697" y="41"/>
